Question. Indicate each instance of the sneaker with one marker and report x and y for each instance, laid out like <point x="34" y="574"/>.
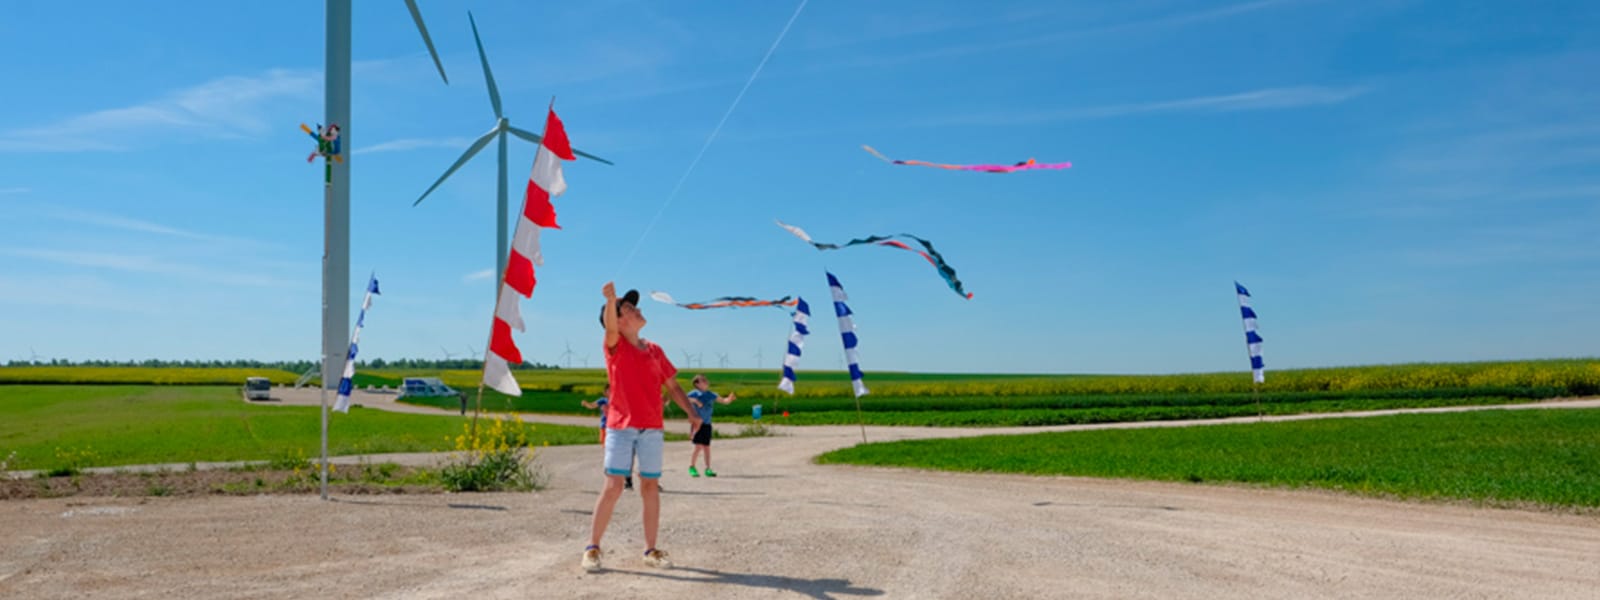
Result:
<point x="710" y="473"/>
<point x="693" y="473"/>
<point x="627" y="483"/>
<point x="657" y="559"/>
<point x="591" y="559"/>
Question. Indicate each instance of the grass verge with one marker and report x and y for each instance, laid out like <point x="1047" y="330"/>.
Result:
<point x="1544" y="458"/>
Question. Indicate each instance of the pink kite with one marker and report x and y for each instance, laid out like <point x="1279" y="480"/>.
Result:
<point x="1026" y="165"/>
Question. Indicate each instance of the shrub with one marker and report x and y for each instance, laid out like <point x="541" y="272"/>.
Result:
<point x="493" y="458"/>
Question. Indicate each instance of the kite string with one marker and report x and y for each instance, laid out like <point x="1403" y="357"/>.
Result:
<point x="711" y="138"/>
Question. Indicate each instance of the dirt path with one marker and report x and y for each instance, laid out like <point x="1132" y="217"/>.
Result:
<point x="775" y="525"/>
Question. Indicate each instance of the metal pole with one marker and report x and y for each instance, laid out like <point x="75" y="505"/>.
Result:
<point x="327" y="193"/>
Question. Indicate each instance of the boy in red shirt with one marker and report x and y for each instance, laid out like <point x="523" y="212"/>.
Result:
<point x="636" y="369"/>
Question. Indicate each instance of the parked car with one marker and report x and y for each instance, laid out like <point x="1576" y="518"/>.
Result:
<point x="424" y="387"/>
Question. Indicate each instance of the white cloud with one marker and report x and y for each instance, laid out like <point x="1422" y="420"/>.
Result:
<point x="1122" y="29"/>
<point x="228" y="107"/>
<point x="129" y="224"/>
<point x="483" y="275"/>
<point x="146" y="264"/>
<point x="459" y="143"/>
<point x="14" y="190"/>
<point x="1263" y="99"/>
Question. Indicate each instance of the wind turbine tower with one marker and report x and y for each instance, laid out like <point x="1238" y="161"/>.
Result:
<point x="336" y="211"/>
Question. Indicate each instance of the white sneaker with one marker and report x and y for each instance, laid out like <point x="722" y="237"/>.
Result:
<point x="591" y="559"/>
<point x="657" y="559"/>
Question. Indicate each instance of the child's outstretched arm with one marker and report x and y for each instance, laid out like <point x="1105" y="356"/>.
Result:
<point x="589" y="405"/>
<point x="728" y="399"/>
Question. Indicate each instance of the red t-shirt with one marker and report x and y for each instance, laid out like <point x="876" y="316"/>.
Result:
<point x="636" y="378"/>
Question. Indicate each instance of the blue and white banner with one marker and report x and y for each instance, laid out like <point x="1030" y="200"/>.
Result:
<point x="847" y="330"/>
<point x="1252" y="340"/>
<point x="797" y="340"/>
<point x="345" y="386"/>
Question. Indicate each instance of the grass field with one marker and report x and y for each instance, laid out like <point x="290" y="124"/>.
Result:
<point x="57" y="426"/>
<point x="1547" y="458"/>
<point x="918" y="399"/>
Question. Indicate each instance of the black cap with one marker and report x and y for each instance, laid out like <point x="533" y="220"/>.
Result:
<point x="632" y="297"/>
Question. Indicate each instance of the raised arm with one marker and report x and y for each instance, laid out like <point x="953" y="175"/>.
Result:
<point x="728" y="399"/>
<point x="610" y="314"/>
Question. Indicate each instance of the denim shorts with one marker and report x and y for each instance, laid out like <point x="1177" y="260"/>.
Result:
<point x="623" y="445"/>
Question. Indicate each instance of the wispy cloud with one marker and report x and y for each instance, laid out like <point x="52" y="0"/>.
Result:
<point x="228" y="107"/>
<point x="149" y="265"/>
<point x="14" y="190"/>
<point x="73" y="291"/>
<point x="403" y="144"/>
<point x="1264" y="99"/>
<point x="130" y="224"/>
<point x="483" y="275"/>
<point x="1149" y="25"/>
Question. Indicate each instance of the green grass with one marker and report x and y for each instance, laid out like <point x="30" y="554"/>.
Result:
<point x="75" y="426"/>
<point x="1501" y="457"/>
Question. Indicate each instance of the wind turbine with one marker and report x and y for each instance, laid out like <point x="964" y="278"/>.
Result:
<point x="688" y="359"/>
<point x="700" y="359"/>
<point x="758" y="358"/>
<point x="336" y="212"/>
<point x="447" y="354"/>
<point x="33" y="357"/>
<point x="502" y="126"/>
<point x="568" y="355"/>
<point x="722" y="360"/>
<point x="585" y="359"/>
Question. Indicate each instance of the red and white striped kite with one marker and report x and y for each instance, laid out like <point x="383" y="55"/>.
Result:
<point x="544" y="184"/>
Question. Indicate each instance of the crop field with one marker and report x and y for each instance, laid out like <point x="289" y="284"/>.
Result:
<point x="919" y="399"/>
<point x="824" y="398"/>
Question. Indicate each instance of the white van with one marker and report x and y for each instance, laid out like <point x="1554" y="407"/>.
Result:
<point x="257" y="388"/>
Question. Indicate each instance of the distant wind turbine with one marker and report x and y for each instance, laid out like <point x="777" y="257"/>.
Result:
<point x="722" y="360"/>
<point x="568" y="355"/>
<point x="502" y="126"/>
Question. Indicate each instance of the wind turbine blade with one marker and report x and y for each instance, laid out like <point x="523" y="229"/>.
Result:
<point x="488" y="76"/>
<point x="416" y="15"/>
<point x="465" y="156"/>
<point x="535" y="138"/>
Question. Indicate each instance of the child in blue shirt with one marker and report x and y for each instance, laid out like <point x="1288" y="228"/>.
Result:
<point x="703" y="400"/>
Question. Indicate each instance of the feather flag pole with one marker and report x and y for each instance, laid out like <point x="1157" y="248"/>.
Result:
<point x="517" y="282"/>
<point x="847" y="331"/>
<point x="1252" y="344"/>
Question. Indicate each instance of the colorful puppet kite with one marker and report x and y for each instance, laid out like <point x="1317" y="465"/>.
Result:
<point x="1026" y="165"/>
<point x="328" y="147"/>
<point x="724" y="302"/>
<point x="933" y="256"/>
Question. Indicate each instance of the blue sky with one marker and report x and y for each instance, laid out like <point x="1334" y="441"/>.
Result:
<point x="1394" y="181"/>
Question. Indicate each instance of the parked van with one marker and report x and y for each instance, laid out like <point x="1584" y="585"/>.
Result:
<point x="257" y="388"/>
